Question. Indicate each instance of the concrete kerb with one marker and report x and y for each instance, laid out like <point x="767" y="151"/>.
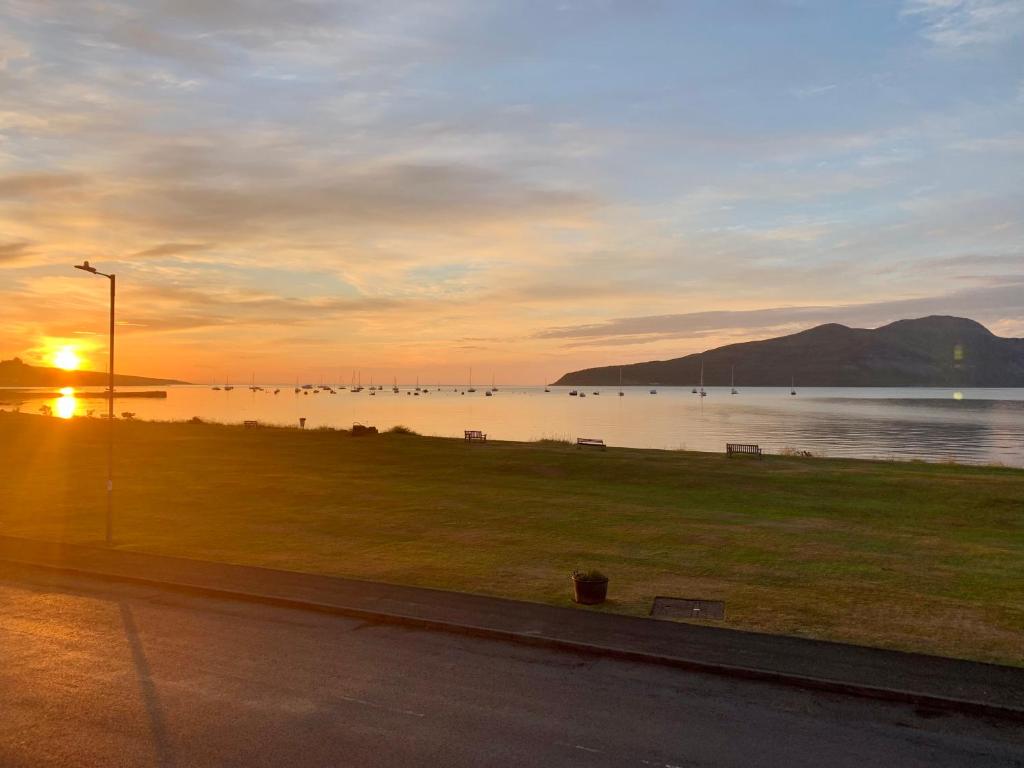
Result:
<point x="879" y="693"/>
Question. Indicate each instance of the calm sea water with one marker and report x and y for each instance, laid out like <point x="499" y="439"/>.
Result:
<point x="980" y="425"/>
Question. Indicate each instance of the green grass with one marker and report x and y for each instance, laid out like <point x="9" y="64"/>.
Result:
<point x="914" y="556"/>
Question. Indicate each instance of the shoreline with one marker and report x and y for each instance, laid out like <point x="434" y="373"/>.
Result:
<point x="566" y="441"/>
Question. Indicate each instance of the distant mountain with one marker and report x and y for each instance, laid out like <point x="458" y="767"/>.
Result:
<point x="937" y="351"/>
<point x="15" y="373"/>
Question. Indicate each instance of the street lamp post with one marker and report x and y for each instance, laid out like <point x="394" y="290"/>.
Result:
<point x="84" y="266"/>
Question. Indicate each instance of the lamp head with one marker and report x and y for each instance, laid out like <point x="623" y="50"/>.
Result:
<point x="85" y="267"/>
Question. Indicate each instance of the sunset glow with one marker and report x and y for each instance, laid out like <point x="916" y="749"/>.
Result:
<point x="524" y="189"/>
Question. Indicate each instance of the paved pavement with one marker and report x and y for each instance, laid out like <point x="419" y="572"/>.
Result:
<point x="99" y="674"/>
<point x="774" y="656"/>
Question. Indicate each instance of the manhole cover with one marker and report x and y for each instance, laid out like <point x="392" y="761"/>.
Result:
<point x="687" y="608"/>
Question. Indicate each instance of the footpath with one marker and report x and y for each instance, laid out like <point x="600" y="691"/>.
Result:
<point x="929" y="682"/>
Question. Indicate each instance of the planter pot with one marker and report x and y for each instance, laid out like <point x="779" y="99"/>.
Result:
<point x="589" y="591"/>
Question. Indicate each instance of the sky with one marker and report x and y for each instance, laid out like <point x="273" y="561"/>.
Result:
<point x="411" y="188"/>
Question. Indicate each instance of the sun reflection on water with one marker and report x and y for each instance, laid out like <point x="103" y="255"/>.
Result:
<point x="66" y="405"/>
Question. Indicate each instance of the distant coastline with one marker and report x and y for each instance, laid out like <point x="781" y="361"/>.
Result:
<point x="16" y="373"/>
<point x="937" y="351"/>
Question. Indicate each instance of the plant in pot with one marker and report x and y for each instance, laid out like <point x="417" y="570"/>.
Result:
<point x="589" y="587"/>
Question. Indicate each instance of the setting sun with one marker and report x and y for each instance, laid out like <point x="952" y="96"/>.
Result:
<point x="67" y="358"/>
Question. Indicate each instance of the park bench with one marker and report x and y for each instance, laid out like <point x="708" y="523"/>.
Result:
<point x="475" y="434"/>
<point x="747" y="448"/>
<point x="250" y="424"/>
<point x="590" y="442"/>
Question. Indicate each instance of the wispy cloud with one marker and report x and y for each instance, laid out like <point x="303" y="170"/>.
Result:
<point x="960" y="24"/>
<point x="810" y="91"/>
<point x="994" y="303"/>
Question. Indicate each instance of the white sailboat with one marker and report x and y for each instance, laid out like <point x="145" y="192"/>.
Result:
<point x="702" y="392"/>
<point x="732" y="382"/>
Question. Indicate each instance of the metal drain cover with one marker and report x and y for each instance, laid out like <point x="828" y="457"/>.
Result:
<point x="687" y="608"/>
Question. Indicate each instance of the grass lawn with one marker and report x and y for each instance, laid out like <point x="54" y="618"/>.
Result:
<point x="913" y="556"/>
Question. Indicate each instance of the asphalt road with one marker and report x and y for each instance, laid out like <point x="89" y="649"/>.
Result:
<point x="100" y="674"/>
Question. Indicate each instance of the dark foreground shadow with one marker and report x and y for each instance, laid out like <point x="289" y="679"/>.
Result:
<point x="157" y="728"/>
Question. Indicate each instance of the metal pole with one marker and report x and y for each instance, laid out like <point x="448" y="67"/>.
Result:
<point x="110" y="422"/>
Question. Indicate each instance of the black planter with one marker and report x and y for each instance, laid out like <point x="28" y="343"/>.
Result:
<point x="589" y="591"/>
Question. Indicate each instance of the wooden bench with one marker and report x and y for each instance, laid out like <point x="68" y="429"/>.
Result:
<point x="747" y="448"/>
<point x="250" y="424"/>
<point x="475" y="434"/>
<point x="590" y="442"/>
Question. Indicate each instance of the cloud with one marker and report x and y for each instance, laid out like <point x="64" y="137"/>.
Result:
<point x="246" y="201"/>
<point x="959" y="24"/>
<point x="995" y="302"/>
<point x="36" y="184"/>
<point x="171" y="249"/>
<point x="811" y="91"/>
<point x="11" y="252"/>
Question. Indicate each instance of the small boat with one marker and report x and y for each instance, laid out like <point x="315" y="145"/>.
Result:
<point x="488" y="393"/>
<point x="702" y="392"/>
<point x="583" y="394"/>
<point x="732" y="382"/>
<point x="470" y="387"/>
<point x="595" y="393"/>
<point x="573" y="393"/>
<point x="792" y="385"/>
<point x="621" y="393"/>
<point x="546" y="389"/>
<point x="278" y="391"/>
<point x="227" y="387"/>
<point x="493" y="388"/>
<point x="654" y="392"/>
<point x="216" y="389"/>
<point x="394" y="385"/>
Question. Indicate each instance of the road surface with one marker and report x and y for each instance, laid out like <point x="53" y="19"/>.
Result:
<point x="96" y="674"/>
